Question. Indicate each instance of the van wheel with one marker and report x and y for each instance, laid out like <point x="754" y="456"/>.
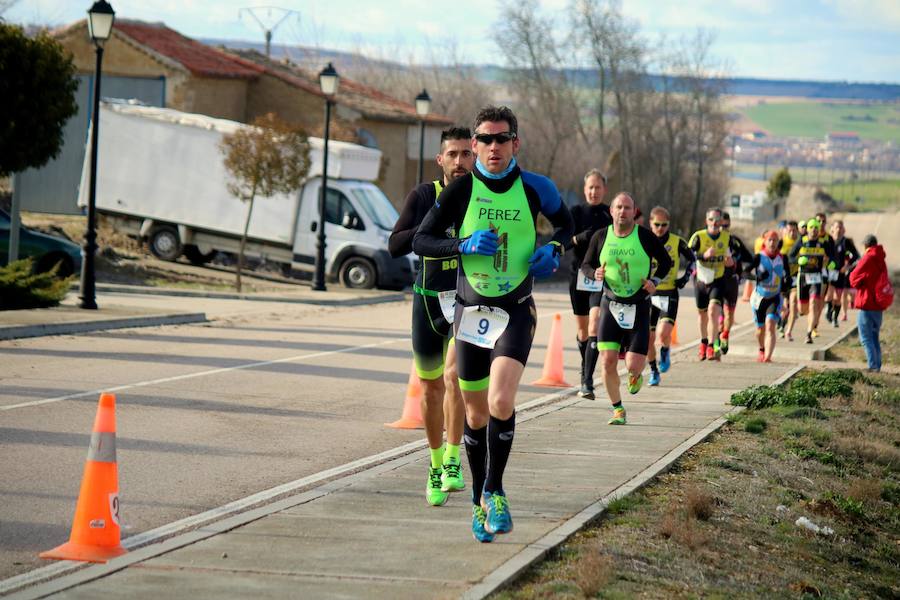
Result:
<point x="358" y="273"/>
<point x="164" y="243"/>
<point x="193" y="254"/>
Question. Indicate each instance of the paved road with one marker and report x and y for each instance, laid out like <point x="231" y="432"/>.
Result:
<point x="265" y="394"/>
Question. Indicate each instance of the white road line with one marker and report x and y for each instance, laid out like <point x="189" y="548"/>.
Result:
<point x="203" y="373"/>
<point x="197" y="374"/>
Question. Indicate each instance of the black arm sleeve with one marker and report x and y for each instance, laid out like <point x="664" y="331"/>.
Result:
<point x="687" y="257"/>
<point x="740" y="254"/>
<point x="852" y="252"/>
<point x="401" y="240"/>
<point x="655" y="249"/>
<point x="576" y="213"/>
<point x="562" y="222"/>
<point x="752" y="266"/>
<point x="429" y="239"/>
<point x="592" y="257"/>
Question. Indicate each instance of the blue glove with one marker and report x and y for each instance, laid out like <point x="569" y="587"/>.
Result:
<point x="544" y="261"/>
<point x="483" y="241"/>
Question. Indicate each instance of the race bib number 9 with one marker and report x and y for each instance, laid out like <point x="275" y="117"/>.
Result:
<point x="448" y="304"/>
<point x="586" y="284"/>
<point x="624" y="314"/>
<point x="660" y="302"/>
<point x="482" y="325"/>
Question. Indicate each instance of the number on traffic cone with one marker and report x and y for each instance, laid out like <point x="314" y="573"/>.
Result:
<point x="411" y="418"/>
<point x="96" y="536"/>
<point x="553" y="363"/>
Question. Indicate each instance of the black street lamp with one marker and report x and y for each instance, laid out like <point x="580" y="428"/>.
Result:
<point x="328" y="81"/>
<point x="100" y="22"/>
<point x="423" y="107"/>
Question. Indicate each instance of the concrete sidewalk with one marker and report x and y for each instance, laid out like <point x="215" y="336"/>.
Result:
<point x="122" y="306"/>
<point x="367" y="532"/>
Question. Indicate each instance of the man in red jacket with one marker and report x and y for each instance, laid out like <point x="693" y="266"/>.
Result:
<point x="864" y="279"/>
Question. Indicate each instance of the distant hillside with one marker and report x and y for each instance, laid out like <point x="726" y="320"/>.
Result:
<point x="314" y="58"/>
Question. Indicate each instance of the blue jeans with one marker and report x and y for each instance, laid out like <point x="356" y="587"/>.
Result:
<point x="869" y="324"/>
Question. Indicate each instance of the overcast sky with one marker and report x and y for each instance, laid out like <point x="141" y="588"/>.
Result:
<point x="831" y="40"/>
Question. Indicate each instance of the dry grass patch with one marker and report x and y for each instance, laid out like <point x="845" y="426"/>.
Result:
<point x="723" y="522"/>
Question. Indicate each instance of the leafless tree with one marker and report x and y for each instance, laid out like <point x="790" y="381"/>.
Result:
<point x="265" y="159"/>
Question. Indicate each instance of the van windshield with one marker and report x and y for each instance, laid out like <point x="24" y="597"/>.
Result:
<point x="376" y="205"/>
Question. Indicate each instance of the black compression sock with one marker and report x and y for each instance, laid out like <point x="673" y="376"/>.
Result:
<point x="653" y="366"/>
<point x="476" y="450"/>
<point x="582" y="348"/>
<point x="500" y="439"/>
<point x="591" y="354"/>
<point x="705" y="341"/>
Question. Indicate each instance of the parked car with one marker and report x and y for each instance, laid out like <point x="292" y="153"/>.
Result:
<point x="47" y="250"/>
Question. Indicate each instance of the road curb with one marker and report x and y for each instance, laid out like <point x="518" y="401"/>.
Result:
<point x="536" y="551"/>
<point x="152" y="291"/>
<point x="45" y="329"/>
<point x="822" y="353"/>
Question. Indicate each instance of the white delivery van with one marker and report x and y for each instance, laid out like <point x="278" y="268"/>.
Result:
<point x="160" y="177"/>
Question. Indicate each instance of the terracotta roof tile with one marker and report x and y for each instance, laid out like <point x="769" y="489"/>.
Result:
<point x="196" y="57"/>
<point x="367" y="100"/>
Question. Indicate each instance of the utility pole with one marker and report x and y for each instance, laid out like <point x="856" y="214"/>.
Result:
<point x="268" y="30"/>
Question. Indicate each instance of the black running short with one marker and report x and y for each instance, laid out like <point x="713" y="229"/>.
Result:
<point x="805" y="290"/>
<point x="704" y="293"/>
<point x="842" y="283"/>
<point x="581" y="300"/>
<point x="730" y="286"/>
<point x="670" y="302"/>
<point x="766" y="308"/>
<point x="430" y="335"/>
<point x="611" y="336"/>
<point x="473" y="362"/>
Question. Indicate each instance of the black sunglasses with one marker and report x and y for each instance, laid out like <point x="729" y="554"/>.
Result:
<point x="490" y="138"/>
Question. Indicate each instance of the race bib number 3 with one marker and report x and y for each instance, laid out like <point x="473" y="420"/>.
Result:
<point x="448" y="304"/>
<point x="624" y="314"/>
<point x="586" y="284"/>
<point x="482" y="325"/>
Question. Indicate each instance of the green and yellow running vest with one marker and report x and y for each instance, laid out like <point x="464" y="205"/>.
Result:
<point x="627" y="263"/>
<point x="509" y="216"/>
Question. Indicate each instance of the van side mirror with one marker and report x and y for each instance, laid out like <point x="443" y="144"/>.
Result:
<point x="350" y="221"/>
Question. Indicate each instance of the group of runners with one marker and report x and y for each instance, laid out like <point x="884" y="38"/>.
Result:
<point x="474" y="317"/>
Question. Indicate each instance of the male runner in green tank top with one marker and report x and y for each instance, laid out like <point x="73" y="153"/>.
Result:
<point x="434" y="353"/>
<point x="622" y="257"/>
<point x="495" y="210"/>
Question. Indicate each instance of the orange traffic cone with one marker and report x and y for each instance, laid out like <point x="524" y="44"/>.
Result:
<point x="674" y="334"/>
<point x="553" y="363"/>
<point x="412" y="406"/>
<point x="95" y="535"/>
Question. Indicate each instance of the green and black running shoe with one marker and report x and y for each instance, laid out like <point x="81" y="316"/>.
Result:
<point x="452" y="479"/>
<point x="433" y="492"/>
